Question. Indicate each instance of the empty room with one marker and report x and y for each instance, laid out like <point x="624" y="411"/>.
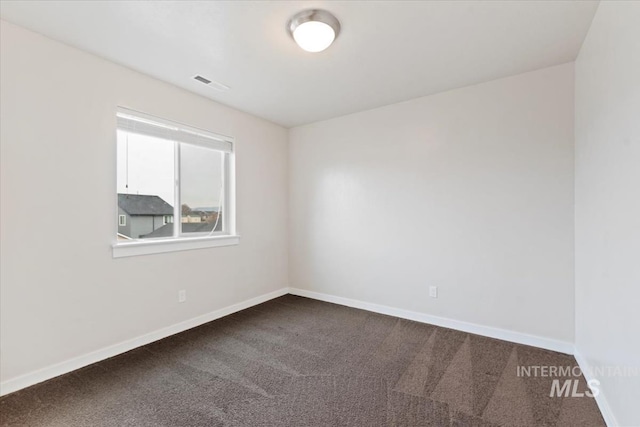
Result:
<point x="320" y="213"/>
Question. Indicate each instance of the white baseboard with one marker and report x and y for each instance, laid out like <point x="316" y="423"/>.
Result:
<point x="601" y="400"/>
<point x="487" y="331"/>
<point x="26" y="380"/>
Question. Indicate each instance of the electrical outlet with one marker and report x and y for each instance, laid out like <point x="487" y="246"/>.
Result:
<point x="182" y="295"/>
<point x="433" y="291"/>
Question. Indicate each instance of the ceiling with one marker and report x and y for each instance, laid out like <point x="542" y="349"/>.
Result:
<point x="387" y="51"/>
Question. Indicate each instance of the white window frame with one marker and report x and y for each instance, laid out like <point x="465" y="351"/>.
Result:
<point x="184" y="241"/>
<point x="122" y="220"/>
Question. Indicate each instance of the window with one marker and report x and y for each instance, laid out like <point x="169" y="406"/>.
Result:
<point x="166" y="170"/>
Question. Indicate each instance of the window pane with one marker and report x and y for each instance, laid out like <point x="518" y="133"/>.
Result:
<point x="146" y="189"/>
<point x="201" y="182"/>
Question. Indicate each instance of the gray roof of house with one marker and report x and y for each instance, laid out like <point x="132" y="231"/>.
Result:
<point x="187" y="227"/>
<point x="137" y="204"/>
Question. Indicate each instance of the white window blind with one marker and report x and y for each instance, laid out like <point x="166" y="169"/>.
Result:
<point x="135" y="122"/>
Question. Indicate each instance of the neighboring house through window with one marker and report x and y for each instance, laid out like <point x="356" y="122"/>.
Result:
<point x="145" y="214"/>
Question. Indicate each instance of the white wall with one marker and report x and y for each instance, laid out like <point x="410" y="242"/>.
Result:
<point x="62" y="293"/>
<point x="470" y="190"/>
<point x="607" y="129"/>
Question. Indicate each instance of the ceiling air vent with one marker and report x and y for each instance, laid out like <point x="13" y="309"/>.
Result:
<point x="212" y="84"/>
<point x="202" y="79"/>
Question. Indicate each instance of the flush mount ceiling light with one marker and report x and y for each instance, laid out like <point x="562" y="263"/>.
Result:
<point x="314" y="30"/>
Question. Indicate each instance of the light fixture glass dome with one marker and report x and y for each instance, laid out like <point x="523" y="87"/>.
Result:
<point x="314" y="30"/>
<point x="314" y="36"/>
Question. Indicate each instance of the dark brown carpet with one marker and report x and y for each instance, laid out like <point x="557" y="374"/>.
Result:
<point x="298" y="362"/>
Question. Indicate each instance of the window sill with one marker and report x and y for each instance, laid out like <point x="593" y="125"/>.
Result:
<point x="172" y="245"/>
